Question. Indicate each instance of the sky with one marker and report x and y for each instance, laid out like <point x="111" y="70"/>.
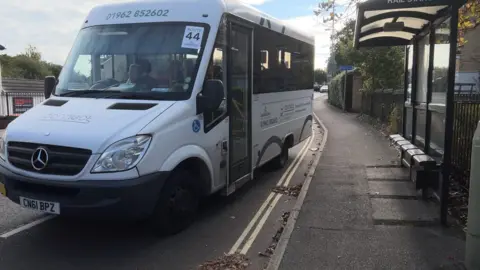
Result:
<point x="52" y="25"/>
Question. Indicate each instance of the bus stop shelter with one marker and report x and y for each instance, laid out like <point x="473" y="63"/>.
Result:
<point x="428" y="30"/>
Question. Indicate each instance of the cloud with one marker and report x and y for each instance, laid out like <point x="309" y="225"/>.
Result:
<point x="314" y="26"/>
<point x="322" y="31"/>
<point x="50" y="25"/>
<point x="255" y="2"/>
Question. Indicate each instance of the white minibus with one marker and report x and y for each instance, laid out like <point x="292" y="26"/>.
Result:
<point x="159" y="104"/>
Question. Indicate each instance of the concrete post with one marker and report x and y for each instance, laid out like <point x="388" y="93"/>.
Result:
<point x="472" y="258"/>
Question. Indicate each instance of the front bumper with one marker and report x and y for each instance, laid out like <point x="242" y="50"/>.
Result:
<point x="124" y="199"/>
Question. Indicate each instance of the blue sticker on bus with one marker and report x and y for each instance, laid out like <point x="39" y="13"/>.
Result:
<point x="196" y="125"/>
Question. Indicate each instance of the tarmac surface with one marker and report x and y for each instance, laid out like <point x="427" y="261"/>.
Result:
<point x="61" y="244"/>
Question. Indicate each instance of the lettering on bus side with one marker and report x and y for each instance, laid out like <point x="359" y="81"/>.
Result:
<point x="269" y="122"/>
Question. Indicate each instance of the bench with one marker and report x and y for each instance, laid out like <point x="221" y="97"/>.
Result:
<point x="424" y="171"/>
<point x="394" y="140"/>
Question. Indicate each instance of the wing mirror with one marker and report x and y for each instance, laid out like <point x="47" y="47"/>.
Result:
<point x="49" y="85"/>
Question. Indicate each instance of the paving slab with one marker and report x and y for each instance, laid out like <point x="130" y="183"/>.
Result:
<point x="401" y="172"/>
<point x="384" y="188"/>
<point x="341" y="199"/>
<point x="387" y="174"/>
<point x="385" y="247"/>
<point x="403" y="211"/>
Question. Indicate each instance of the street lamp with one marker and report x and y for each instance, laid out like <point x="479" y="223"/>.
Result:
<point x="2" y="48"/>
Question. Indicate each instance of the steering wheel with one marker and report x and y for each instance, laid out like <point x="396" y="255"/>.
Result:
<point x="103" y="84"/>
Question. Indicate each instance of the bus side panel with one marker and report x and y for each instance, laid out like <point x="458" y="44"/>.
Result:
<point x="275" y="116"/>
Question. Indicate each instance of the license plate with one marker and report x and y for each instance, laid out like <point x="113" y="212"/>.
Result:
<point x="42" y="206"/>
<point x="3" y="191"/>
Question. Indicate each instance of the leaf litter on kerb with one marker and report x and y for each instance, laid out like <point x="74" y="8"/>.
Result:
<point x="234" y="261"/>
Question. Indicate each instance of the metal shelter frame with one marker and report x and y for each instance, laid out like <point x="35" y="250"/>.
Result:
<point x="406" y="23"/>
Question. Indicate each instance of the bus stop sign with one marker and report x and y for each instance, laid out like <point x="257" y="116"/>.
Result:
<point x="346" y="68"/>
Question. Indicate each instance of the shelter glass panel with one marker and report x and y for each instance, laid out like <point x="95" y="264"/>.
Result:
<point x="423" y="63"/>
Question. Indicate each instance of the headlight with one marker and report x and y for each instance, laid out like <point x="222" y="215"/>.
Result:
<point x="3" y="147"/>
<point x="122" y="155"/>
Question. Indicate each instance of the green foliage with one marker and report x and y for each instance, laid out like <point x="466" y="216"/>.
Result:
<point x="27" y="65"/>
<point x="336" y="92"/>
<point x="54" y="69"/>
<point x="381" y="67"/>
<point x="394" y="120"/>
<point x="320" y="76"/>
<point x="469" y="18"/>
<point x="32" y="53"/>
<point x="29" y="68"/>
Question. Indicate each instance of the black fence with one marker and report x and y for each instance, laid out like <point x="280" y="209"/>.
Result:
<point x="466" y="117"/>
<point x="16" y="103"/>
<point x="386" y="106"/>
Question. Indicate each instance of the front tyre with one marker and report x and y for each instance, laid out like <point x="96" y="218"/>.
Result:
<point x="177" y="204"/>
<point x="280" y="161"/>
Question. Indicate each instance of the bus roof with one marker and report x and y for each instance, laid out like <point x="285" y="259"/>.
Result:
<point x="188" y="10"/>
<point x="254" y="15"/>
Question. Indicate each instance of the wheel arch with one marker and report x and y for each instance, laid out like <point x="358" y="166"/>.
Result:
<point x="288" y="141"/>
<point x="196" y="160"/>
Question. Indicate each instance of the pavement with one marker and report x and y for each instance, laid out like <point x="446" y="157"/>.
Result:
<point x="361" y="211"/>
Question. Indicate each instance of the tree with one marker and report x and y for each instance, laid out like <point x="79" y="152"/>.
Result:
<point x="331" y="7"/>
<point x="469" y="18"/>
<point x="54" y="69"/>
<point x="381" y="67"/>
<point x="27" y="65"/>
<point x="320" y="76"/>
<point x="469" y="15"/>
<point x="33" y="53"/>
<point x="28" y="68"/>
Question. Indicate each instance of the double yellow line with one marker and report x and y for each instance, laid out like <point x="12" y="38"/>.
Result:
<point x="268" y="205"/>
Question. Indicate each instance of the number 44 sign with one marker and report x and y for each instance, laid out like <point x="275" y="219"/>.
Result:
<point x="192" y="38"/>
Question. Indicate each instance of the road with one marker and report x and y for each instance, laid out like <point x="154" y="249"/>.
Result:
<point x="82" y="244"/>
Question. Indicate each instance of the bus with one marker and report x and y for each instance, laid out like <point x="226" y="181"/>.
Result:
<point x="159" y="104"/>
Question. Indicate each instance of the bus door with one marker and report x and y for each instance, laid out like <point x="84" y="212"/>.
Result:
<point x="239" y="103"/>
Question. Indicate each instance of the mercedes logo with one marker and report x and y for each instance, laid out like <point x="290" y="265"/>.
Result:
<point x="39" y="159"/>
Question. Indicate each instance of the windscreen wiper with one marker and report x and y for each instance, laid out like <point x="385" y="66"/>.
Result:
<point x="78" y="93"/>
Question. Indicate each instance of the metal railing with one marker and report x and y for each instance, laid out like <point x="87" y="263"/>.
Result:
<point x="466" y="116"/>
<point x="466" y="92"/>
<point x="379" y="104"/>
<point x="16" y="103"/>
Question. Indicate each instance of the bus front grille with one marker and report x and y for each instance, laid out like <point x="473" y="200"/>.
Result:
<point x="60" y="160"/>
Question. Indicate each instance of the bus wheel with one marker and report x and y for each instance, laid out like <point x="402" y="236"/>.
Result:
<point x="280" y="161"/>
<point x="177" y="204"/>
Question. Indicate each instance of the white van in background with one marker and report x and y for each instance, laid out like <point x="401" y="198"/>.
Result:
<point x="159" y="104"/>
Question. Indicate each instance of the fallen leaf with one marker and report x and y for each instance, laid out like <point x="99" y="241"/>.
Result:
<point x="233" y="262"/>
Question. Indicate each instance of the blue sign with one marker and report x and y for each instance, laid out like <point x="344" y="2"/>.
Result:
<point x="346" y="68"/>
<point x="196" y="125"/>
